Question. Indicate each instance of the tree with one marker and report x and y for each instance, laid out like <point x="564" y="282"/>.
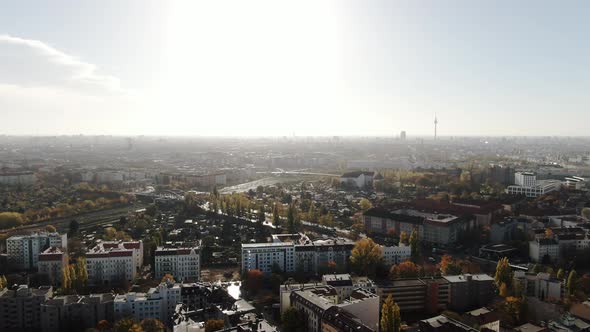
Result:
<point x="365" y="204"/>
<point x="548" y="233"/>
<point x="390" y="316"/>
<point x="135" y="328"/>
<point x="503" y="290"/>
<point x="537" y="268"/>
<point x="404" y="238"/>
<point x="253" y="281"/>
<point x="586" y="213"/>
<point x="50" y="229"/>
<point x="276" y="214"/>
<point x="365" y="256"/>
<point x="560" y="274"/>
<point x="405" y="269"/>
<point x="103" y="325"/>
<point x="74" y="227"/>
<point x="66" y="282"/>
<point x="415" y="246"/>
<point x="214" y="325"/>
<point x="503" y="273"/>
<point x="291" y="219"/>
<point x="81" y="273"/>
<point x="168" y="277"/>
<point x="261" y="215"/>
<point x="292" y="320"/>
<point x="123" y="325"/>
<point x="449" y="267"/>
<point x="3" y="282"/>
<point x="572" y="280"/>
<point x="10" y="219"/>
<point x="152" y="325"/>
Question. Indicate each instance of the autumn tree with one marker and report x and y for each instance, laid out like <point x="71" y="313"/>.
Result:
<point x="365" y="204"/>
<point x="253" y="281"/>
<point x="123" y="325"/>
<point x="560" y="274"/>
<point x="103" y="326"/>
<point x="572" y="280"/>
<point x="503" y="273"/>
<point x="365" y="256"/>
<point x="406" y="269"/>
<point x="152" y="325"/>
<point x="10" y="219"/>
<point x="404" y="238"/>
<point x="50" y="229"/>
<point x="3" y="282"/>
<point x="548" y="233"/>
<point x="390" y="316"/>
<point x="503" y="290"/>
<point x="135" y="328"/>
<point x="168" y="278"/>
<point x="449" y="267"/>
<point x="586" y="213"/>
<point x="214" y="325"/>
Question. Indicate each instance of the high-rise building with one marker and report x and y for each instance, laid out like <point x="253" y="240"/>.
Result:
<point x="402" y="135"/>
<point x="20" y="308"/>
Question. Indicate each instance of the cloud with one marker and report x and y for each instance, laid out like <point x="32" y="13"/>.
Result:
<point x="33" y="63"/>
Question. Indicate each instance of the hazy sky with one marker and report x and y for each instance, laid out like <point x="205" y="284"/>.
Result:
<point x="309" y="67"/>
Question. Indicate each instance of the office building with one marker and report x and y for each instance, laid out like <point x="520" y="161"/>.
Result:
<point x="526" y="183"/>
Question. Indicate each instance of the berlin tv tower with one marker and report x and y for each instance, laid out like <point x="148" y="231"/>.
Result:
<point x="435" y="124"/>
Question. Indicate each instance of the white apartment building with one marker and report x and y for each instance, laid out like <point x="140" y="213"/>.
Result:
<point x="135" y="246"/>
<point x="108" y="264"/>
<point x="184" y="263"/>
<point x="539" y="248"/>
<point x="541" y="286"/>
<point x="293" y="252"/>
<point x="158" y="302"/>
<point x="51" y="263"/>
<point x="396" y="254"/>
<point x="359" y="179"/>
<point x="23" y="250"/>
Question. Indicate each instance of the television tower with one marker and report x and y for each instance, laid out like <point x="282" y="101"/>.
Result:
<point x="435" y="124"/>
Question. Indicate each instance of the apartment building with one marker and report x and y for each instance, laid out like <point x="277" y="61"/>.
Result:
<point x="20" y="308"/>
<point x="23" y="250"/>
<point x="545" y="249"/>
<point x="297" y="252"/>
<point x="159" y="302"/>
<point x="75" y="312"/>
<point x="51" y="263"/>
<point x="113" y="262"/>
<point x="540" y="285"/>
<point x="183" y="262"/>
<point x="417" y="294"/>
<point x="469" y="291"/>
<point x="396" y="254"/>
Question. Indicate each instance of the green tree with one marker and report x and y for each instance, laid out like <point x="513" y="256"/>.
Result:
<point x="572" y="281"/>
<point x="292" y="320"/>
<point x="365" y="256"/>
<point x="415" y="246"/>
<point x="10" y="219"/>
<point x="276" y="214"/>
<point x="292" y="219"/>
<point x="261" y="215"/>
<point x="503" y="273"/>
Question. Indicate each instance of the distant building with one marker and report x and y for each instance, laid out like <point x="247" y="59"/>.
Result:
<point x="20" y="308"/>
<point x="23" y="250"/>
<point x="183" y="262"/>
<point x="76" y="312"/>
<point x="526" y="183"/>
<point x="541" y="286"/>
<point x="395" y="254"/>
<point x="430" y="295"/>
<point x="17" y="178"/>
<point x="51" y="263"/>
<point x="402" y="135"/>
<point x="486" y="319"/>
<point x="359" y="179"/>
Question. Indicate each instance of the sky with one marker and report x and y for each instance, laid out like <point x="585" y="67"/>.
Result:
<point x="304" y="67"/>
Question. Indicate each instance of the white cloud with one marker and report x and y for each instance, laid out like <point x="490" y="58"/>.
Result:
<point x="33" y="63"/>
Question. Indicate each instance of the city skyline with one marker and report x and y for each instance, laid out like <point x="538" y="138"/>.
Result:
<point x="317" y="69"/>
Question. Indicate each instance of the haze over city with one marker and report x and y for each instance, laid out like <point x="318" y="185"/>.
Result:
<point x="274" y="68"/>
